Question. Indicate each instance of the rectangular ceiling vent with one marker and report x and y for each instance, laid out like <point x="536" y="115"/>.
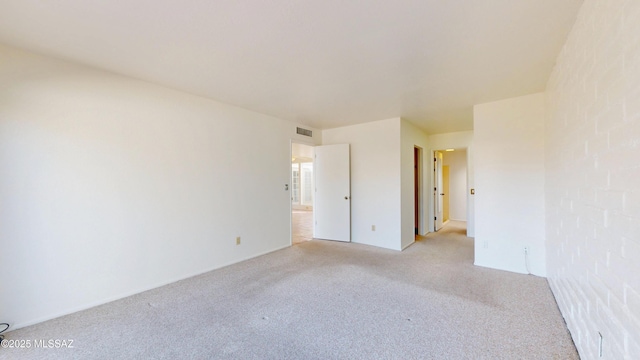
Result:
<point x="304" y="132"/>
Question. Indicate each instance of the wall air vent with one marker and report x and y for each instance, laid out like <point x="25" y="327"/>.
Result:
<point x="304" y="132"/>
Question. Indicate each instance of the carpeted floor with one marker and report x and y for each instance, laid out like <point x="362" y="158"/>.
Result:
<point x="326" y="300"/>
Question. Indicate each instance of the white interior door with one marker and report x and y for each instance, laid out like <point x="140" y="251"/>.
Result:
<point x="438" y="193"/>
<point x="332" y="208"/>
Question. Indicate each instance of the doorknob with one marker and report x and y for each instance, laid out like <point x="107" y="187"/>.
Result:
<point x="442" y="194"/>
<point x="346" y="198"/>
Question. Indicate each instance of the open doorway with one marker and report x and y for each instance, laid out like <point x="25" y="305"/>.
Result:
<point x="302" y="194"/>
<point x="450" y="187"/>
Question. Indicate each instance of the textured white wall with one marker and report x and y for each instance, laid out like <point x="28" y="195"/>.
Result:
<point x="457" y="140"/>
<point x="411" y="136"/>
<point x="509" y="178"/>
<point x="593" y="179"/>
<point x="457" y="162"/>
<point x="110" y="186"/>
<point x="375" y="180"/>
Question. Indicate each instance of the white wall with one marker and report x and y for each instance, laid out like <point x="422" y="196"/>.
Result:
<point x="412" y="137"/>
<point x="375" y="180"/>
<point x="110" y="186"/>
<point x="509" y="183"/>
<point x="593" y="179"/>
<point x="456" y="140"/>
<point x="457" y="162"/>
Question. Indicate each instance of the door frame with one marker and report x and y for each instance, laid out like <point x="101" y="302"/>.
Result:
<point x="418" y="206"/>
<point x="437" y="190"/>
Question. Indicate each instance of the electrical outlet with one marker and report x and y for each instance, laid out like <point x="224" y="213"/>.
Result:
<point x="373" y="228"/>
<point x="238" y="240"/>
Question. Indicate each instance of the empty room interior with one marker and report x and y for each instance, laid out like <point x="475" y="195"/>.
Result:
<point x="320" y="179"/>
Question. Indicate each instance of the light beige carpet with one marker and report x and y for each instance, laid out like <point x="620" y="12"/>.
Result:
<point x="326" y="300"/>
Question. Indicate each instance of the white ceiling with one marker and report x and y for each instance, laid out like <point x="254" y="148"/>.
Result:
<point x="324" y="63"/>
